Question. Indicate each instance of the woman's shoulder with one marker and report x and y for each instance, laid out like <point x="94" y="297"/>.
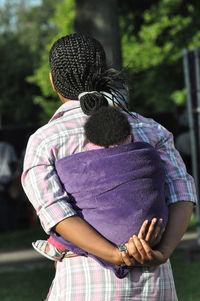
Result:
<point x="138" y="120"/>
<point x="147" y="129"/>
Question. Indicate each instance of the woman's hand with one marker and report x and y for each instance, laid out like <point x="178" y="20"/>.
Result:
<point x="139" y="247"/>
<point x="151" y="233"/>
<point x="143" y="253"/>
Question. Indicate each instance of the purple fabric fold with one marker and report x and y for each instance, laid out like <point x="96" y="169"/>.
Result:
<point x="114" y="190"/>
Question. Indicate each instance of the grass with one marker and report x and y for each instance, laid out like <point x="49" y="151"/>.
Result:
<point x="26" y="284"/>
<point x="33" y="283"/>
<point x="21" y="239"/>
<point x="186" y="276"/>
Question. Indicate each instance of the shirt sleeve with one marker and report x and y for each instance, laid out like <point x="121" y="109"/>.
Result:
<point x="42" y="185"/>
<point x="179" y="184"/>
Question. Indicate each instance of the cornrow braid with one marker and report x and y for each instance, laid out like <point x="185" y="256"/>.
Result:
<point x="78" y="64"/>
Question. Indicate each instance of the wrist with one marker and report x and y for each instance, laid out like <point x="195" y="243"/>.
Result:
<point x="166" y="251"/>
<point x="117" y="257"/>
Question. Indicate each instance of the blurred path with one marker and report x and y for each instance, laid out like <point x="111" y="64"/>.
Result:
<point x="30" y="258"/>
<point x="21" y="259"/>
<point x="189" y="239"/>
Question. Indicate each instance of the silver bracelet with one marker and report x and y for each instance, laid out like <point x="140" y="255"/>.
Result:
<point x="122" y="248"/>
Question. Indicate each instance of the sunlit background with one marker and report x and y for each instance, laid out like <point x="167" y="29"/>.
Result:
<point x="146" y="37"/>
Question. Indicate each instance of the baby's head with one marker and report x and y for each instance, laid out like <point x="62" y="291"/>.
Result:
<point x="108" y="127"/>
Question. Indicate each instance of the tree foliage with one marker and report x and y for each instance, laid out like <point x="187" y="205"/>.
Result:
<point x="153" y="35"/>
<point x="48" y="99"/>
<point x="24" y="32"/>
<point x="99" y="19"/>
<point x="16" y="102"/>
<point x="152" y="48"/>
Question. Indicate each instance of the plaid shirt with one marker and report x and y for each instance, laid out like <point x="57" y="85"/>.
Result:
<point x="64" y="136"/>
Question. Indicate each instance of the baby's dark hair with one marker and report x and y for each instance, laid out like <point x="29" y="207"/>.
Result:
<point x="78" y="64"/>
<point x="108" y="126"/>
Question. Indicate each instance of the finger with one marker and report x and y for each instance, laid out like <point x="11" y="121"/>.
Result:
<point x="143" y="230"/>
<point x="158" y="239"/>
<point x="140" y="255"/>
<point x="158" y="228"/>
<point x="148" y="250"/>
<point x="131" y="247"/>
<point x="151" y="229"/>
<point x="157" y="234"/>
<point x="126" y="259"/>
<point x="132" y="250"/>
<point x="155" y="256"/>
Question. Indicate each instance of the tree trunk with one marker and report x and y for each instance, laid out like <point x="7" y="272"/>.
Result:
<point x="100" y="20"/>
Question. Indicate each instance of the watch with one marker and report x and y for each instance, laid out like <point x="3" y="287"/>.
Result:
<point x="122" y="248"/>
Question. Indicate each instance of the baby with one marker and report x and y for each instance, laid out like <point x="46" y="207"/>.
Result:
<point x="106" y="128"/>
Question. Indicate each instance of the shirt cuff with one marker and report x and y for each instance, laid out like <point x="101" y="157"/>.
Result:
<point x="181" y="190"/>
<point x="55" y="213"/>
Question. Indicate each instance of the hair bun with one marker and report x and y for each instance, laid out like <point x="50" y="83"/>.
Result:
<point x="91" y="103"/>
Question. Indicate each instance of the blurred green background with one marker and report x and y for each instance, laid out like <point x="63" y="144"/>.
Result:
<point x="31" y="283"/>
<point x="146" y="36"/>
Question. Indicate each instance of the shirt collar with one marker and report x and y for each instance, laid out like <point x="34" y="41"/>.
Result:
<point x="74" y="104"/>
<point x="65" y="107"/>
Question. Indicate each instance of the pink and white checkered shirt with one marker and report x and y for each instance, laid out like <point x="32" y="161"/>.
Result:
<point x="63" y="136"/>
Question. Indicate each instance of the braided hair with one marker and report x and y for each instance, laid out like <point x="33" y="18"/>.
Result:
<point x="78" y="64"/>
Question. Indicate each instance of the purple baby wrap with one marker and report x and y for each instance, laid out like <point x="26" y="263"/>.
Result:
<point x="114" y="190"/>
